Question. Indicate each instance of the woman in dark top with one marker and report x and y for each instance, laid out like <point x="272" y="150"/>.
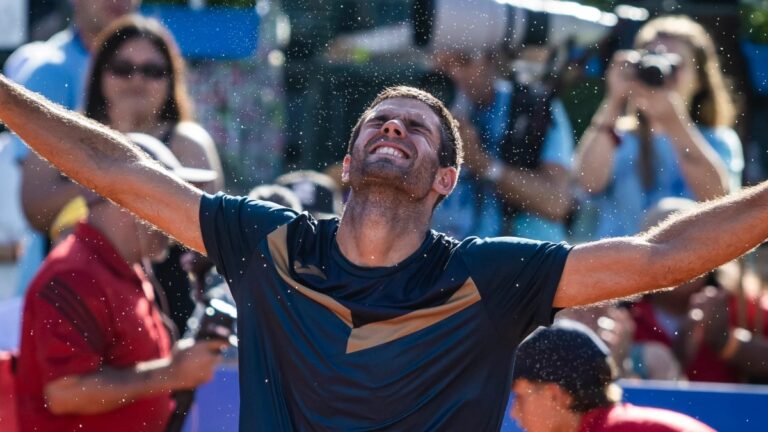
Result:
<point x="137" y="84"/>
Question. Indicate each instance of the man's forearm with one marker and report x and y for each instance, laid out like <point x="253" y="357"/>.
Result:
<point x="716" y="232"/>
<point x="108" y="389"/>
<point x="543" y="191"/>
<point x="676" y="251"/>
<point x="80" y="147"/>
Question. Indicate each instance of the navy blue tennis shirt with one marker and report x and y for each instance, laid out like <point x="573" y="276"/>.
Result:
<point x="328" y="345"/>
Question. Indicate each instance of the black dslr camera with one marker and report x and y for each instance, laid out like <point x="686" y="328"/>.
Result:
<point x="215" y="317"/>
<point x="655" y="68"/>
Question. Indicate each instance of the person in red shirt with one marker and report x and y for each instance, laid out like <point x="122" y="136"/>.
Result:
<point x="564" y="381"/>
<point x="95" y="354"/>
<point x="712" y="331"/>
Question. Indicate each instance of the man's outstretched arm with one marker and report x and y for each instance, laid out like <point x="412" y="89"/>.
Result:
<point x="679" y="249"/>
<point x="103" y="160"/>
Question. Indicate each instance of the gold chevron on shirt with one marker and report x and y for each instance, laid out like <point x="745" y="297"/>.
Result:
<point x="381" y="332"/>
<point x="377" y="333"/>
<point x="277" y="242"/>
<point x="308" y="269"/>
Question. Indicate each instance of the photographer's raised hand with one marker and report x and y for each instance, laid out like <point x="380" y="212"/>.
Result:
<point x="662" y="106"/>
<point x="597" y="147"/>
<point x="620" y="76"/>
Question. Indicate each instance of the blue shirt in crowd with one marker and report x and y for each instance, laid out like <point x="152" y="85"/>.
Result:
<point x="56" y="69"/>
<point x="475" y="206"/>
<point x="620" y="209"/>
<point x="328" y="345"/>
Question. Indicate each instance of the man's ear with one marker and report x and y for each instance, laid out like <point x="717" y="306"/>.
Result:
<point x="445" y="180"/>
<point x="345" y="168"/>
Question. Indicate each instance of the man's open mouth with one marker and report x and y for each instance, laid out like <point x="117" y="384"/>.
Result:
<point x="390" y="149"/>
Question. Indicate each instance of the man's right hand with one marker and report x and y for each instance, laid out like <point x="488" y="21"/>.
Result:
<point x="194" y="363"/>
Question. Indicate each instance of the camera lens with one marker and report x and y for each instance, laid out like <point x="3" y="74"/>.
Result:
<point x="653" y="69"/>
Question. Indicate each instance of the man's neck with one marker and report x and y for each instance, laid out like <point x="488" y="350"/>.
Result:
<point x="378" y="230"/>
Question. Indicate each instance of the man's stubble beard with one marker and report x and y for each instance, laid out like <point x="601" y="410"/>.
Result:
<point x="385" y="179"/>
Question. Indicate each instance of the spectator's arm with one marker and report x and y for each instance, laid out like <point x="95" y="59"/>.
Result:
<point x="112" y="388"/>
<point x="676" y="251"/>
<point x="703" y="170"/>
<point x="594" y="155"/>
<point x="105" y="161"/>
<point x="44" y="192"/>
<point x="544" y="191"/>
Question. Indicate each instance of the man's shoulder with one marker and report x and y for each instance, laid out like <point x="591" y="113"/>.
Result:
<point x="502" y="243"/>
<point x="497" y="260"/>
<point x="241" y="208"/>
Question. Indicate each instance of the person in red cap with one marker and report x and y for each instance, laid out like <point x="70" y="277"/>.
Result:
<point x="564" y="380"/>
<point x="95" y="353"/>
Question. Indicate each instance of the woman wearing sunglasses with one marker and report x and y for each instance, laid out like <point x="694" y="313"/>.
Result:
<point x="137" y="84"/>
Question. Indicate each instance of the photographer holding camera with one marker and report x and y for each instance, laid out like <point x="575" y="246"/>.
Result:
<point x="518" y="147"/>
<point x="663" y="129"/>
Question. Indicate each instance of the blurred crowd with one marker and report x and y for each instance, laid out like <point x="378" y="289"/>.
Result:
<point x="647" y="150"/>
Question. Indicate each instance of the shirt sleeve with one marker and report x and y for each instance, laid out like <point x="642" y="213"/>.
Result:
<point x="517" y="280"/>
<point x="68" y="314"/>
<point x="232" y="228"/>
<point x="558" y="142"/>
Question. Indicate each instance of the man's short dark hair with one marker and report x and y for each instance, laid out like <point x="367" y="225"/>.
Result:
<point x="451" y="151"/>
<point x="571" y="356"/>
